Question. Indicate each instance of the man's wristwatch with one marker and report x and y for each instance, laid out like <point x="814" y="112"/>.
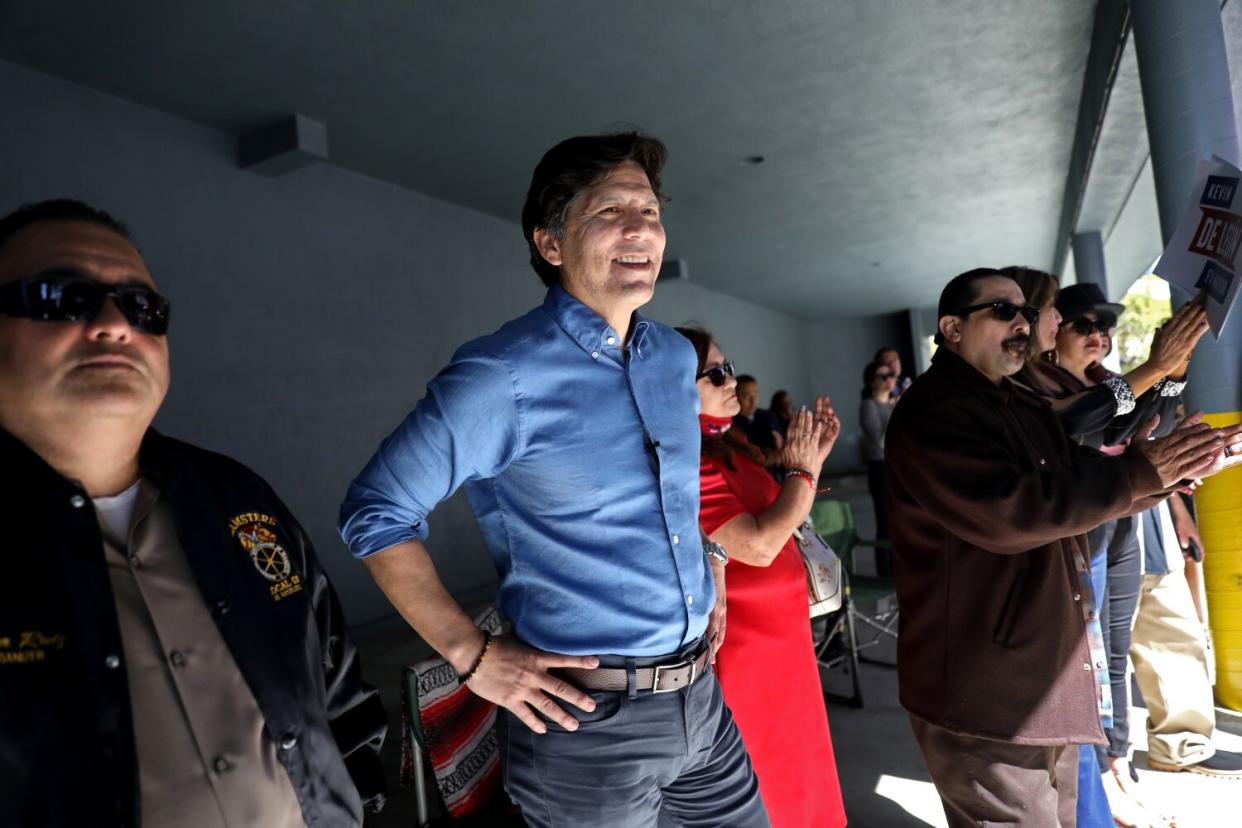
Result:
<point x="715" y="551"/>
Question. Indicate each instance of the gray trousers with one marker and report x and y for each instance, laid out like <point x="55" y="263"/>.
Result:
<point x="985" y="782"/>
<point x="668" y="759"/>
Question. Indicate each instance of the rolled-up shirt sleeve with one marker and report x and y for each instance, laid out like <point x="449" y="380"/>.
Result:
<point x="466" y="427"/>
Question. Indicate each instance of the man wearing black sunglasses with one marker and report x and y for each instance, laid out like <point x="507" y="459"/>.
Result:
<point x="989" y="506"/>
<point x="169" y="646"/>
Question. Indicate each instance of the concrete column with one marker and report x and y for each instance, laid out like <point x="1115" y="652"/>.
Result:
<point x="1089" y="267"/>
<point x="1188" y="101"/>
<point x="1089" y="259"/>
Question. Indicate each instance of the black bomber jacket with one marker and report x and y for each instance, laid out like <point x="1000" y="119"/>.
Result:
<point x="67" y="755"/>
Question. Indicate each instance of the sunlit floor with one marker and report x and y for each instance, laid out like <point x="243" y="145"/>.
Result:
<point x="883" y="780"/>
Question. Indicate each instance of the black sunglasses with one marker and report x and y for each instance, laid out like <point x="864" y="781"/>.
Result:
<point x="717" y="375"/>
<point x="1004" y="311"/>
<point x="66" y="296"/>
<point x="1083" y="326"/>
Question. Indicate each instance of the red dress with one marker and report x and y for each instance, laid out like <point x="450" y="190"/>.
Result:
<point x="767" y="666"/>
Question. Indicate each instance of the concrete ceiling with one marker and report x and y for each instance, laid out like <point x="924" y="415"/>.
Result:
<point x="904" y="142"/>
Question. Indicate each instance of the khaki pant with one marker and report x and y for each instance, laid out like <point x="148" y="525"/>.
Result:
<point x="1170" y="662"/>
<point x="985" y="782"/>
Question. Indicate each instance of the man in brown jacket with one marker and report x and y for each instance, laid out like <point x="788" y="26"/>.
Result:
<point x="989" y="505"/>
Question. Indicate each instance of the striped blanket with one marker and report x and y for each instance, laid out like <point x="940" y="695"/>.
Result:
<point x="457" y="730"/>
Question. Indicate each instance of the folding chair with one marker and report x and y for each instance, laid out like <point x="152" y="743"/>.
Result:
<point x="450" y="755"/>
<point x="840" y="644"/>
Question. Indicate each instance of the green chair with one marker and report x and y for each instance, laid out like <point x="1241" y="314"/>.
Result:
<point x="870" y="602"/>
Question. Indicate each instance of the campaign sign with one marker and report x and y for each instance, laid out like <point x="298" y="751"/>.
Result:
<point x="1202" y="256"/>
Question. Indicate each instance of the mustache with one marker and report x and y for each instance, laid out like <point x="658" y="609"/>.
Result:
<point x="1017" y="339"/>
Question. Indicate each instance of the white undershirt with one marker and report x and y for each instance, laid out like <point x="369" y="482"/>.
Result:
<point x="117" y="511"/>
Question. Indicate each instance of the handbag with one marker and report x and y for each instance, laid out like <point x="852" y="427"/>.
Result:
<point x="825" y="588"/>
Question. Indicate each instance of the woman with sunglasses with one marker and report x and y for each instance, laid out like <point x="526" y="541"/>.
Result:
<point x="766" y="666"/>
<point x="879" y="386"/>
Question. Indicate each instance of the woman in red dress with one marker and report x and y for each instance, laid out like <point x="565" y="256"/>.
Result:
<point x="766" y="665"/>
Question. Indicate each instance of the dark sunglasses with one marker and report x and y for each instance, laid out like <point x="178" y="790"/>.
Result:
<point x="717" y="375"/>
<point x="1004" y="311"/>
<point x="1084" y="326"/>
<point x="880" y="375"/>
<point x="71" y="297"/>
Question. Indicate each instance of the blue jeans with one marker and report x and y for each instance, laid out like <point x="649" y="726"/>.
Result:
<point x="668" y="759"/>
<point x="1092" y="808"/>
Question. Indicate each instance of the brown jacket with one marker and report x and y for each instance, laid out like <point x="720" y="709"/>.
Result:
<point x="989" y="502"/>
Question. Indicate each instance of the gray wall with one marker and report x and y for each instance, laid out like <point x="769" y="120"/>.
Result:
<point x="311" y="310"/>
<point x="838" y="349"/>
<point x="759" y="341"/>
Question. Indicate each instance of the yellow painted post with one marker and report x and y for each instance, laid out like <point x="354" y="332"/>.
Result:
<point x="1218" y="505"/>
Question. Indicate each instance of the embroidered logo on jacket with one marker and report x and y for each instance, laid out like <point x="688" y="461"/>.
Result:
<point x="255" y="532"/>
<point x="29" y="646"/>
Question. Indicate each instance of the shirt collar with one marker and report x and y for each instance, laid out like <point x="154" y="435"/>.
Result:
<point x="588" y="328"/>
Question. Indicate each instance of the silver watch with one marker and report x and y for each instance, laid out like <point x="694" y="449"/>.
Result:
<point x="715" y="551"/>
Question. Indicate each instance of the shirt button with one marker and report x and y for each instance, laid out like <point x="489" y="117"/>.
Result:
<point x="176" y="658"/>
<point x="1086" y="667"/>
<point x="612" y="340"/>
<point x="77" y="501"/>
<point x="1099" y="665"/>
<point x="112" y="662"/>
<point x="135" y="562"/>
<point x="1077" y="596"/>
<point x="1091" y="615"/>
<point x="289" y="742"/>
<point x="594" y="354"/>
<point x="676" y="539"/>
<point x="690" y="600"/>
<point x="1041" y="461"/>
<point x="222" y="765"/>
<point x="223" y="607"/>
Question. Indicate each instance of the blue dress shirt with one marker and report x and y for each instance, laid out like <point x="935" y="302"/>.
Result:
<point x="580" y="458"/>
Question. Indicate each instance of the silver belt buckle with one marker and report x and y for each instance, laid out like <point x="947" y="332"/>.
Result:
<point x="660" y="669"/>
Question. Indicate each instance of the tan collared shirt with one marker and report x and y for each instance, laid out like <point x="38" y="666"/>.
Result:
<point x="204" y="758"/>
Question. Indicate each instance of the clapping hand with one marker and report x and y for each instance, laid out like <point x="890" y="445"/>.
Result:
<point x="1175" y="341"/>
<point x="1194" y="450"/>
<point x="811" y="436"/>
<point x="825" y="414"/>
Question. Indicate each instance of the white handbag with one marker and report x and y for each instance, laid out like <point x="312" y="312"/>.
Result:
<point x="825" y="588"/>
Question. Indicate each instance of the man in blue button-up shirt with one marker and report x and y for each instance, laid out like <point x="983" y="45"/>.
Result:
<point x="574" y="431"/>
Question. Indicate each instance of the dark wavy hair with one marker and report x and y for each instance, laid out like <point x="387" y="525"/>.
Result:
<point x="961" y="291"/>
<point x="572" y="165"/>
<point x="724" y="446"/>
<point x="58" y="209"/>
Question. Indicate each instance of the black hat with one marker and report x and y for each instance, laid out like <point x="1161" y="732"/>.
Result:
<point x="1076" y="301"/>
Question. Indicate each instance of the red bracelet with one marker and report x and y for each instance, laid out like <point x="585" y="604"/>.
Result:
<point x="804" y="474"/>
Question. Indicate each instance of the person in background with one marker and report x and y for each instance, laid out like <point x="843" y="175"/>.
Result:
<point x="879" y="381"/>
<point x="756" y="423"/>
<point x="782" y="411"/>
<point x="171" y="651"/>
<point x="892" y="359"/>
<point x="767" y="664"/>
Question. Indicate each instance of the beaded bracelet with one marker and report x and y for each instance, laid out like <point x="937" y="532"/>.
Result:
<point x="487" y="645"/>
<point x="803" y="473"/>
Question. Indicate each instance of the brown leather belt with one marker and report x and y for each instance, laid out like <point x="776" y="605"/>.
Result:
<point x="659" y="678"/>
